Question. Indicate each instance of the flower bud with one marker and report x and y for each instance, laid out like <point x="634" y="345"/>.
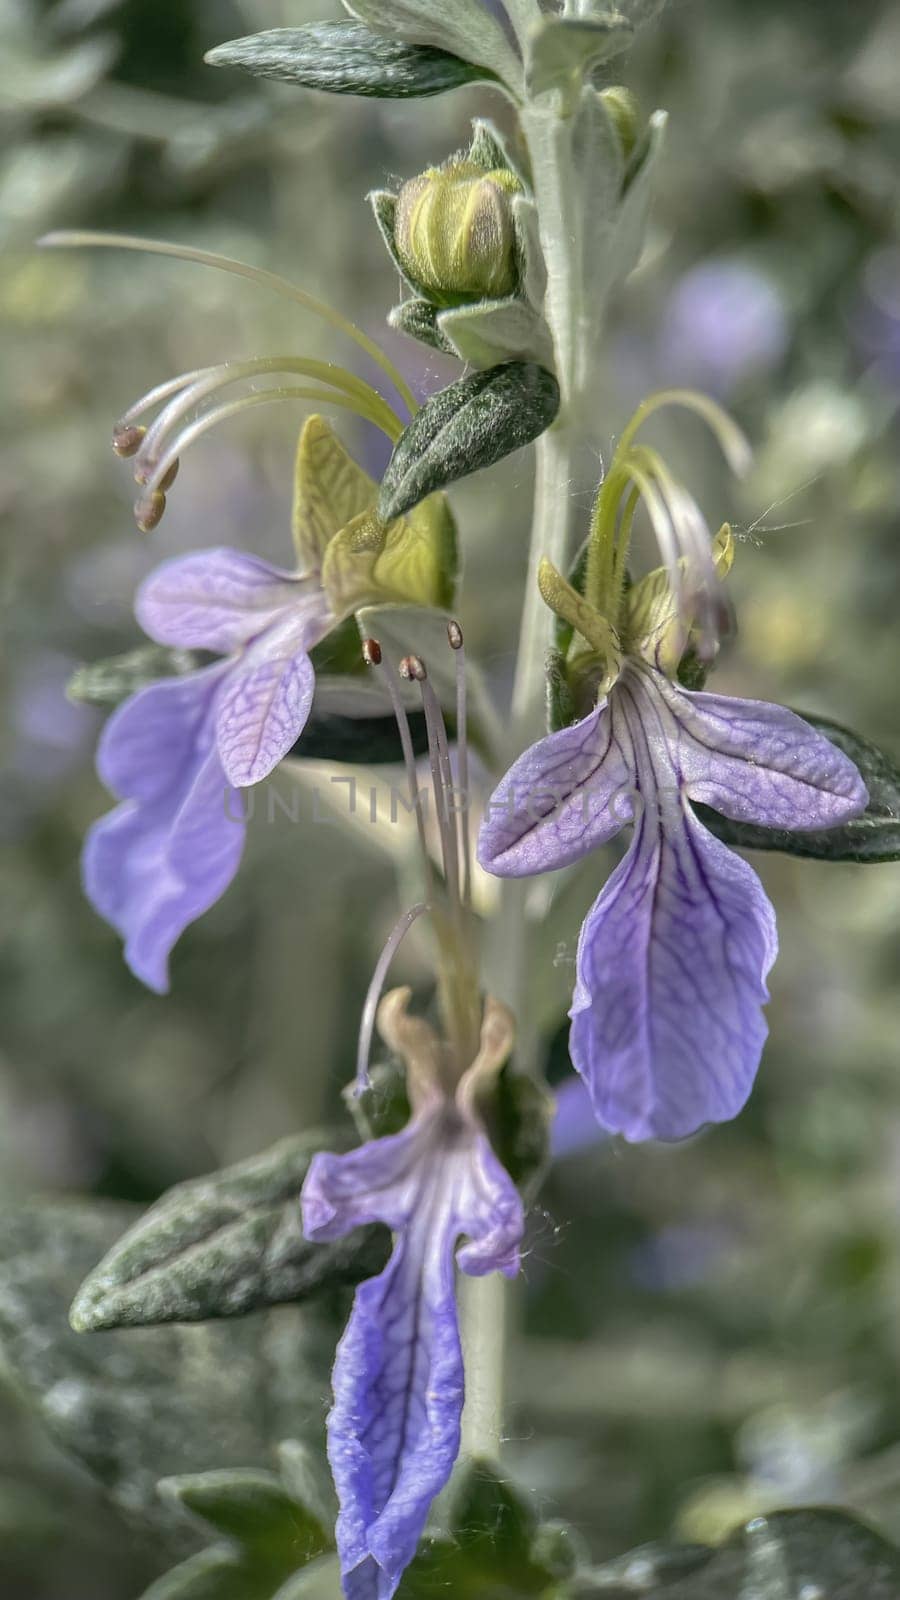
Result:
<point x="624" y="114"/>
<point x="454" y="232"/>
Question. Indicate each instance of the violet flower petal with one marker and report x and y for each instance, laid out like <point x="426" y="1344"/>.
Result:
<point x="169" y="851"/>
<point x="214" y="599"/>
<point x="566" y="794"/>
<point x="264" y="706"/>
<point x="667" y="1026"/>
<point x="393" y="1432"/>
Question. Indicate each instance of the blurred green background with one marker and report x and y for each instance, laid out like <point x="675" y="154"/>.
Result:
<point x="703" y="1331"/>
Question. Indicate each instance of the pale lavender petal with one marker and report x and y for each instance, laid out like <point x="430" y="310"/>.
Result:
<point x="393" y="1432"/>
<point x="215" y="599"/>
<point x="164" y="856"/>
<point x="574" y="1125"/>
<point x="761" y="763"/>
<point x="566" y="794"/>
<point x="667" y="1025"/>
<point x="264" y="708"/>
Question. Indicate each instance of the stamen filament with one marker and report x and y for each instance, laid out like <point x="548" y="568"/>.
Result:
<point x="271" y="280"/>
<point x="732" y="442"/>
<point x="373" y="996"/>
<point x="375" y="659"/>
<point x="195" y="430"/>
<point x="457" y="645"/>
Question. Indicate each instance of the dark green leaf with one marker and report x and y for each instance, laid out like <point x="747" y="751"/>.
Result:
<point x="254" y="1509"/>
<point x="220" y="1573"/>
<point x="518" y="1114"/>
<point x="140" y="1404"/>
<point x="108" y="682"/>
<point x="465" y="427"/>
<point x="370" y="740"/>
<point x="874" y="836"/>
<point x="783" y="1556"/>
<point x="223" y="1245"/>
<point x="491" y="1552"/>
<point x="347" y="58"/>
<point x="383" y="1108"/>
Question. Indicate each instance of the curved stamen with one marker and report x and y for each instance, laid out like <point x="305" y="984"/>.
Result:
<point x="242" y="269"/>
<point x="370" y="1009"/>
<point x="372" y="656"/>
<point x="413" y="669"/>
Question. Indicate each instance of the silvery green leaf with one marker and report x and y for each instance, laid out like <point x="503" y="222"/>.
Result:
<point x="143" y="1403"/>
<point x="640" y="177"/>
<point x="469" y="425"/>
<point x="487" y="149"/>
<point x="563" y="51"/>
<point x="346" y="58"/>
<point x="384" y="208"/>
<point x="419" y="319"/>
<point x="497" y="330"/>
<point x="108" y="682"/>
<point x="529" y="251"/>
<point x="220" y="1573"/>
<point x="464" y="28"/>
<point x="874" y="836"/>
<point x="222" y="1245"/>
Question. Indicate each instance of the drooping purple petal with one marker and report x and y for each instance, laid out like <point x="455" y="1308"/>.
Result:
<point x="393" y="1432"/>
<point x="169" y="851"/>
<point x="566" y="794"/>
<point x="667" y="1025"/>
<point x="761" y="763"/>
<point x="264" y="706"/>
<point x="215" y="599"/>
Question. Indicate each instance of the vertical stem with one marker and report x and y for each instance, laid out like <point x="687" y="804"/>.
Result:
<point x="483" y="1328"/>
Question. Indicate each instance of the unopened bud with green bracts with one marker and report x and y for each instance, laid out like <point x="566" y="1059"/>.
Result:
<point x="454" y="232"/>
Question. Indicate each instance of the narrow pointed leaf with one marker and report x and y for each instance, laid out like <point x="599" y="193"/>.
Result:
<point x="874" y="836"/>
<point x="465" y="28"/>
<point x="347" y="58"/>
<point x="220" y="1246"/>
<point x="109" y="682"/>
<point x="254" y="1509"/>
<point x="472" y="424"/>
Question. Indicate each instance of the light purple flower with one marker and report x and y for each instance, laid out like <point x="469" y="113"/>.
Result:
<point x="667" y="1024"/>
<point x="394" y="1428"/>
<point x="174" y="751"/>
<point x="725" y="322"/>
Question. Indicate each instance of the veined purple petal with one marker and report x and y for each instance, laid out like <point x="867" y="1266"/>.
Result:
<point x="393" y="1432"/>
<point x="265" y="704"/>
<point x="566" y="794"/>
<point x="667" y="1025"/>
<point x="761" y="763"/>
<point x="165" y="855"/>
<point x="215" y="599"/>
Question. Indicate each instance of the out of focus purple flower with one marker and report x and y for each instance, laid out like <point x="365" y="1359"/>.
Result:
<point x="51" y="732"/>
<point x="877" y="318"/>
<point x="725" y="322"/>
<point x="574" y="1126"/>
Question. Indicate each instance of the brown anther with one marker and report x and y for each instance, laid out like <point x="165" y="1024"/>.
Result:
<point x="371" y="652"/>
<point x="455" y="635"/>
<point x="148" y="510"/>
<point x="126" y="439"/>
<point x="166" y="482"/>
<point x="413" y="668"/>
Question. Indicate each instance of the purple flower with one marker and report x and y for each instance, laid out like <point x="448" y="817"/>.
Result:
<point x="725" y="321"/>
<point x="172" y="753"/>
<point x="667" y="1024"/>
<point x="394" y="1428"/>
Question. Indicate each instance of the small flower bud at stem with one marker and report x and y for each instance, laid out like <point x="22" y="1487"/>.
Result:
<point x="371" y="652"/>
<point x="413" y="669"/>
<point x="455" y="635"/>
<point x="624" y="112"/>
<point x="454" y="232"/>
<point x="148" y="511"/>
<point x="127" y="438"/>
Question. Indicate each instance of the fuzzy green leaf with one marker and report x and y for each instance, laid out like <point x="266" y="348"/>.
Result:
<point x="109" y="682"/>
<point x="874" y="836"/>
<point x="464" y="28"/>
<point x="347" y="58"/>
<point x="497" y="330"/>
<point x="223" y="1245"/>
<point x="564" y="50"/>
<point x="469" y="425"/>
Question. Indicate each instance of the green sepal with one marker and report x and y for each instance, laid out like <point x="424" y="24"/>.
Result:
<point x="223" y="1245"/>
<point x="116" y="678"/>
<point x="472" y="424"/>
<point x="561" y="712"/>
<point x="418" y="319"/>
<point x="564" y="51"/>
<point x="487" y="149"/>
<point x="874" y="836"/>
<point x="347" y="58"/>
<point x="493" y="1551"/>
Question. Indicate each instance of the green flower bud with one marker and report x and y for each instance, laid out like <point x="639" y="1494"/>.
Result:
<point x="625" y="114"/>
<point x="454" y="232"/>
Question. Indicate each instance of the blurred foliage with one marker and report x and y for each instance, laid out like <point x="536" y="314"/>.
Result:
<point x="705" y="1333"/>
